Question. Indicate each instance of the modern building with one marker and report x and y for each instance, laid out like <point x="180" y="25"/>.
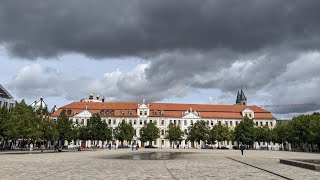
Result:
<point x="6" y="99"/>
<point x="162" y="114"/>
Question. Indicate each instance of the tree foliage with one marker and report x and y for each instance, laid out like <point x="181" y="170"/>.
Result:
<point x="244" y="132"/>
<point x="198" y="131"/>
<point x="124" y="132"/>
<point x="174" y="133"/>
<point x="149" y="132"/>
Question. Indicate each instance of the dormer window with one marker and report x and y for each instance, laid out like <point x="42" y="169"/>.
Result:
<point x="102" y="113"/>
<point x="145" y="113"/>
<point x="162" y="112"/>
<point x="69" y="112"/>
<point x="155" y="112"/>
<point x="123" y="112"/>
<point x="130" y="113"/>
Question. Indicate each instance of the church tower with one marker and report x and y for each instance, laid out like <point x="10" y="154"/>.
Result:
<point x="241" y="98"/>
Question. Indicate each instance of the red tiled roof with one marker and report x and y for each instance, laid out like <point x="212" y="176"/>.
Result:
<point x="170" y="109"/>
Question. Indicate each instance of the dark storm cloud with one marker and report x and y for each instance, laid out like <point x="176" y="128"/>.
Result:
<point x="99" y="28"/>
<point x="189" y="45"/>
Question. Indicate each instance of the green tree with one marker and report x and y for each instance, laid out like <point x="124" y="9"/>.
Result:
<point x="281" y="134"/>
<point x="23" y="123"/>
<point x="49" y="131"/>
<point x="95" y="128"/>
<point x="107" y="132"/>
<point x="315" y="129"/>
<point x="4" y="118"/>
<point x="244" y="132"/>
<point x="64" y="129"/>
<point x="198" y="131"/>
<point x="174" y="133"/>
<point x="301" y="136"/>
<point x="212" y="136"/>
<point x="124" y="132"/>
<point x="222" y="133"/>
<point x="262" y="134"/>
<point x="149" y="132"/>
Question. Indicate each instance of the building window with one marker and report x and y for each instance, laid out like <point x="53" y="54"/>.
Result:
<point x="257" y="124"/>
<point x="230" y="123"/>
<point x="145" y="113"/>
<point x="236" y="123"/>
<point x="70" y="121"/>
<point x="271" y="124"/>
<point x="226" y="123"/>
<point x="155" y="112"/>
<point x="145" y="121"/>
<point x="155" y="122"/>
<point x="219" y="122"/>
<point x="77" y="121"/>
<point x="130" y="121"/>
<point x="250" y="115"/>
<point x="114" y="121"/>
<point x="162" y="142"/>
<point x="211" y="123"/>
<point x="102" y="113"/>
<point x="162" y="122"/>
<point x="191" y="122"/>
<point x="109" y="121"/>
<point x="69" y="112"/>
<point x="123" y="112"/>
<point x="261" y="123"/>
<point x="130" y="113"/>
<point x="162" y="132"/>
<point x="174" y="122"/>
<point x="162" y="112"/>
<point x="185" y="122"/>
<point x="185" y="131"/>
<point x="170" y="122"/>
<point x="267" y="124"/>
<point x="140" y="113"/>
<point x="82" y="121"/>
<point x="140" y="122"/>
<point x="135" y="122"/>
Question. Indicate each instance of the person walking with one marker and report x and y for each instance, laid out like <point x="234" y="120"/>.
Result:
<point x="31" y="147"/>
<point x="42" y="148"/>
<point x="137" y="147"/>
<point x="132" y="146"/>
<point x="242" y="149"/>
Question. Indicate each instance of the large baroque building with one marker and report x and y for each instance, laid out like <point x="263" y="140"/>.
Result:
<point x="162" y="114"/>
<point x="6" y="99"/>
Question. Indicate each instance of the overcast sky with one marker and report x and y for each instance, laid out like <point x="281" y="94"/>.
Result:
<point x="164" y="51"/>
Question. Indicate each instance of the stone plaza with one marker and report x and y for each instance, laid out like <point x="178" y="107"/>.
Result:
<point x="195" y="164"/>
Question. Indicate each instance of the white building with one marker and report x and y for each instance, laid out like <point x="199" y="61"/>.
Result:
<point x="162" y="114"/>
<point x="6" y="99"/>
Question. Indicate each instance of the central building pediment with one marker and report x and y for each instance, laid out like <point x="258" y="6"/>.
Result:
<point x="190" y="114"/>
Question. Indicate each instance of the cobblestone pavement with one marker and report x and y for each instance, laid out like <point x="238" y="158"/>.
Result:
<point x="200" y="164"/>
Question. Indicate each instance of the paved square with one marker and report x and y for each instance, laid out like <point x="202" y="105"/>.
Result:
<point x="201" y="164"/>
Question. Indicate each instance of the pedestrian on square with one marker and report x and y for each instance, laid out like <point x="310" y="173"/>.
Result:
<point x="137" y="147"/>
<point x="31" y="147"/>
<point x="42" y="148"/>
<point x="242" y="149"/>
<point x="132" y="146"/>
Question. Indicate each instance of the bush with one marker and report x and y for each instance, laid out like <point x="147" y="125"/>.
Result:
<point x="222" y="147"/>
<point x="235" y="147"/>
<point x="149" y="146"/>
